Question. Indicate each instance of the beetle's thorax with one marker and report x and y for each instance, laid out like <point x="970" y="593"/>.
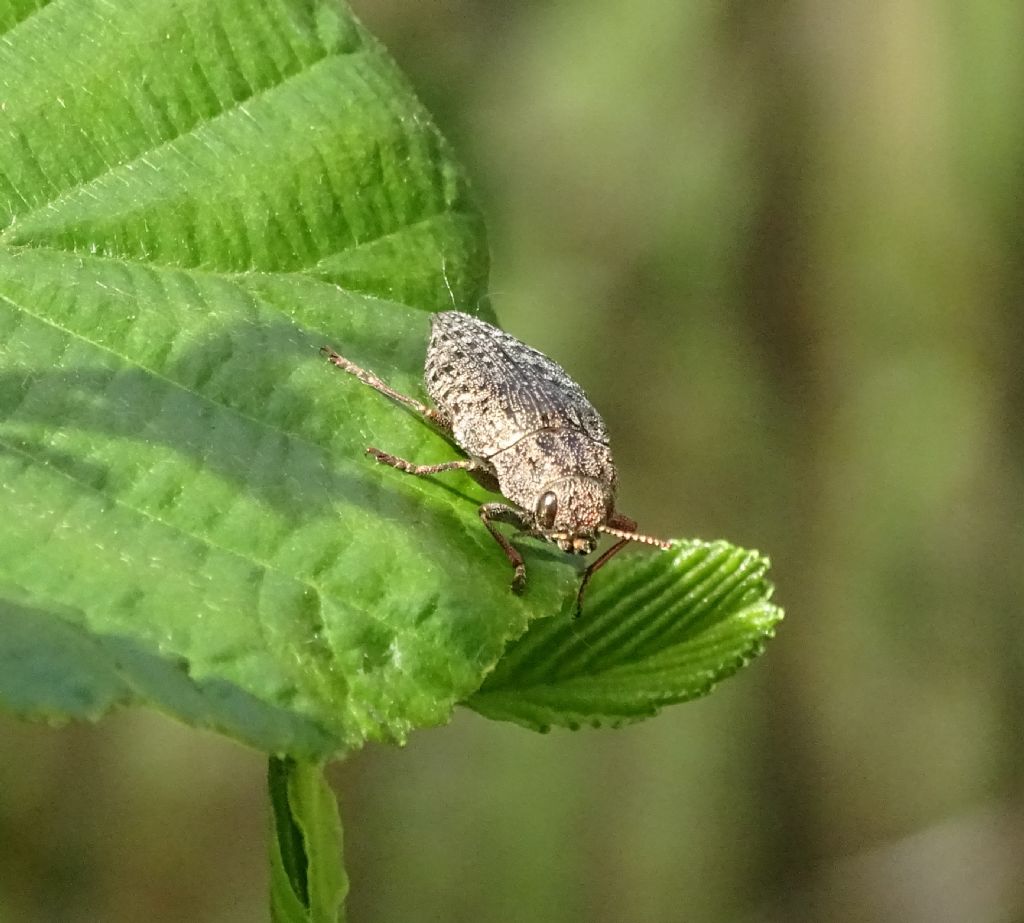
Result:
<point x="527" y="469"/>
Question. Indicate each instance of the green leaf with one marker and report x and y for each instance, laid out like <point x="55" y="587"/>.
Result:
<point x="194" y="197"/>
<point x="307" y="879"/>
<point x="661" y="629"/>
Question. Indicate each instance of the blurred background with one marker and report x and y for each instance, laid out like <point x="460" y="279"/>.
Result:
<point x="780" y="245"/>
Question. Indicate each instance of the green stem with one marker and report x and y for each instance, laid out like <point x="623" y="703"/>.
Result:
<point x="307" y="878"/>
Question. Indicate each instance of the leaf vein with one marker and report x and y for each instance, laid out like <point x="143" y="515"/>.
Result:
<point x="237" y="106"/>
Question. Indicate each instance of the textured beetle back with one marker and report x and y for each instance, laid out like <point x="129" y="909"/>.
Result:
<point x="495" y="389"/>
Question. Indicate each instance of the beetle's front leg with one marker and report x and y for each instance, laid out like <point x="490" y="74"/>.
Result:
<point x="590" y="571"/>
<point x="499" y="512"/>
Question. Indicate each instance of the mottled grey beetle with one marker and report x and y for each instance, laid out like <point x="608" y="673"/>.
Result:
<point x="530" y="434"/>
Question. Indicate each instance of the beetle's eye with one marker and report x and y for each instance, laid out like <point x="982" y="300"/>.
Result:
<point x="547" y="509"/>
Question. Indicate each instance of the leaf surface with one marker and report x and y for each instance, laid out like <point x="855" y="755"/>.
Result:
<point x="656" y="630"/>
<point x="194" y="197"/>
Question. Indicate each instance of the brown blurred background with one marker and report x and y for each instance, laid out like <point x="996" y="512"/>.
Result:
<point x="780" y="245"/>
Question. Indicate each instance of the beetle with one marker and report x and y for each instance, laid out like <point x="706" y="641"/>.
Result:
<point x="529" y="433"/>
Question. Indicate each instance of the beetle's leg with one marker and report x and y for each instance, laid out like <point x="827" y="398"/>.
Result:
<point x="592" y="569"/>
<point x="623" y="528"/>
<point x="368" y="378"/>
<point x="463" y="464"/>
<point x="489" y="512"/>
<point x="499" y="512"/>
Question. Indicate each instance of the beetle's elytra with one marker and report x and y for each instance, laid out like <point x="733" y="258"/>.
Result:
<point x="530" y="434"/>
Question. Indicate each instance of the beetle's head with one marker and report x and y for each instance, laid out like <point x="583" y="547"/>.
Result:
<point x="570" y="511"/>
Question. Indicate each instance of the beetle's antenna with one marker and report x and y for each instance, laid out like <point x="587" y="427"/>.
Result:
<point x="447" y="284"/>
<point x="635" y="537"/>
